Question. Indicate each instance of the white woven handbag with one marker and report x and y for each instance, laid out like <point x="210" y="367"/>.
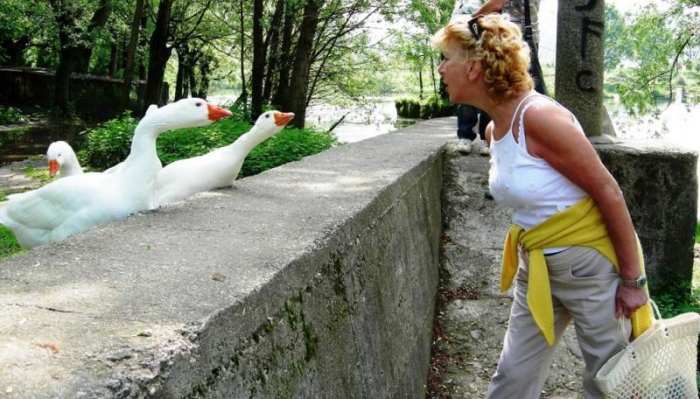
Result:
<point x="660" y="364"/>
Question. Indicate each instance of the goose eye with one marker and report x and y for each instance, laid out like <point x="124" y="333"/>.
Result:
<point x="267" y="115"/>
<point x="199" y="104"/>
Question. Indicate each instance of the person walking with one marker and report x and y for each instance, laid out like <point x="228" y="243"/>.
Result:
<point x="572" y="249"/>
<point x="471" y="121"/>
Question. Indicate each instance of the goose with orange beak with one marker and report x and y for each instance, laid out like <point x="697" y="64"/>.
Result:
<point x="219" y="168"/>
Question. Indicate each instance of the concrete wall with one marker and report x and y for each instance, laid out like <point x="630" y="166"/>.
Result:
<point x="315" y="279"/>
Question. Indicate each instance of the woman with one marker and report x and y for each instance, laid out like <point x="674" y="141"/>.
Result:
<point x="572" y="235"/>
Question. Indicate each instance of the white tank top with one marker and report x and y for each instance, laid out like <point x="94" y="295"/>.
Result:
<point x="528" y="184"/>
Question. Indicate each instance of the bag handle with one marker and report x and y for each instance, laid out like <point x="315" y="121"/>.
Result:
<point x="625" y="335"/>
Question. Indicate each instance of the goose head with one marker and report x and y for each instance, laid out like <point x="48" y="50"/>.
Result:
<point x="271" y="122"/>
<point x="62" y="158"/>
<point x="185" y="113"/>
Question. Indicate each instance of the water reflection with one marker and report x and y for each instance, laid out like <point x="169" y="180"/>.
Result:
<point x="356" y="122"/>
<point x="18" y="142"/>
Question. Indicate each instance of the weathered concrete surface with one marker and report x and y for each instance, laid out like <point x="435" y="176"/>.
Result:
<point x="660" y="184"/>
<point x="315" y="279"/>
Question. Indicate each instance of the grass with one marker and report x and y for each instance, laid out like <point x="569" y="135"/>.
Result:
<point x="8" y="243"/>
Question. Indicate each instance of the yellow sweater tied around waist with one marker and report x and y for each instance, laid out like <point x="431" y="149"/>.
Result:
<point x="579" y="225"/>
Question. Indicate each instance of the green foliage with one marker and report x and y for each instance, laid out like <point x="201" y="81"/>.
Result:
<point x="109" y="144"/>
<point x="675" y="295"/>
<point x="11" y="115"/>
<point x="647" y="52"/>
<point x="191" y="142"/>
<point x="697" y="232"/>
<point x="286" y="146"/>
<point x="433" y="107"/>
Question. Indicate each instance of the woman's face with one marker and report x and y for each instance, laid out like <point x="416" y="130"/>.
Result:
<point x="454" y="70"/>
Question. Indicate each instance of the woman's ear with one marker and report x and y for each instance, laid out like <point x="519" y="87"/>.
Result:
<point x="473" y="69"/>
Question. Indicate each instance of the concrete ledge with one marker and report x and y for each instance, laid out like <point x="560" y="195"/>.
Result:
<point x="315" y="279"/>
<point x="660" y="183"/>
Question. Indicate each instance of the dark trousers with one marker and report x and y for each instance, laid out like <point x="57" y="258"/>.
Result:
<point x="468" y="116"/>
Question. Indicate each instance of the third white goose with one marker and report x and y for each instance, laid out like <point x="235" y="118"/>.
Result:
<point x="62" y="160"/>
<point x="219" y="168"/>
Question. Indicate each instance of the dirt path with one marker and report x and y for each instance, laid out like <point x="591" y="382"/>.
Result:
<point x="13" y="179"/>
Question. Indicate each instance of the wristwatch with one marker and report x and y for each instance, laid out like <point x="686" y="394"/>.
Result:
<point x="640" y="282"/>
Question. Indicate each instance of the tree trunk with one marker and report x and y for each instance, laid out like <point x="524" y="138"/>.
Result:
<point x="273" y="42"/>
<point x="99" y="20"/>
<point x="14" y="50"/>
<point x="298" y="85"/>
<point x="258" y="72"/>
<point x="180" y="79"/>
<point x="192" y="79"/>
<point x="65" y="68"/>
<point x="67" y="57"/>
<point x="420" y="84"/>
<point x="242" y="100"/>
<point x="204" y="75"/>
<point x="286" y="57"/>
<point x="130" y="56"/>
<point x="158" y="55"/>
<point x="113" y="60"/>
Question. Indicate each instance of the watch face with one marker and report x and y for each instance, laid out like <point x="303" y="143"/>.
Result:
<point x="641" y="281"/>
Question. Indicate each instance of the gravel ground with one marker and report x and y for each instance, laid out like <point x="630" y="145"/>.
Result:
<point x="13" y="179"/>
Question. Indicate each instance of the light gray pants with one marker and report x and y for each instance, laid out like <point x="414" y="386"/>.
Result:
<point x="583" y="285"/>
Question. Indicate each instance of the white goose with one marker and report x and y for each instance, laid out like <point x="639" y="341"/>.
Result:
<point x="62" y="160"/>
<point x="75" y="203"/>
<point x="219" y="168"/>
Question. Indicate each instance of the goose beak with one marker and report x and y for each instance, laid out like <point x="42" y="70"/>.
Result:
<point x="53" y="167"/>
<point x="216" y="113"/>
<point x="282" y="118"/>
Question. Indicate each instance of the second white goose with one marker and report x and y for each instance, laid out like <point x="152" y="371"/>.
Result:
<point x="219" y="168"/>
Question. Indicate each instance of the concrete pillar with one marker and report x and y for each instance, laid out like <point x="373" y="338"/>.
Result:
<point x="579" y="60"/>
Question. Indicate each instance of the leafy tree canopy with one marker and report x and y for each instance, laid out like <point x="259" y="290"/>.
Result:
<point x="651" y="52"/>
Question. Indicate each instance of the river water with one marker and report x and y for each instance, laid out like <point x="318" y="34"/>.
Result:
<point x="676" y="124"/>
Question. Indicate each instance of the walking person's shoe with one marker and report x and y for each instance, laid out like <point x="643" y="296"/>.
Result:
<point x="464" y="146"/>
<point x="484" y="150"/>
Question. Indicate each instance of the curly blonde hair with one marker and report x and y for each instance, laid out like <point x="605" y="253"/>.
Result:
<point x="500" y="48"/>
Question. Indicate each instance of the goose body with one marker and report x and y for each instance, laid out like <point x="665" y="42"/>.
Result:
<point x="62" y="160"/>
<point x="219" y="168"/>
<point x="78" y="202"/>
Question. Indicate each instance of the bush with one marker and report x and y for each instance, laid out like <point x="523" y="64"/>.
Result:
<point x="109" y="144"/>
<point x="433" y="107"/>
<point x="11" y="115"/>
<point x="286" y="146"/>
